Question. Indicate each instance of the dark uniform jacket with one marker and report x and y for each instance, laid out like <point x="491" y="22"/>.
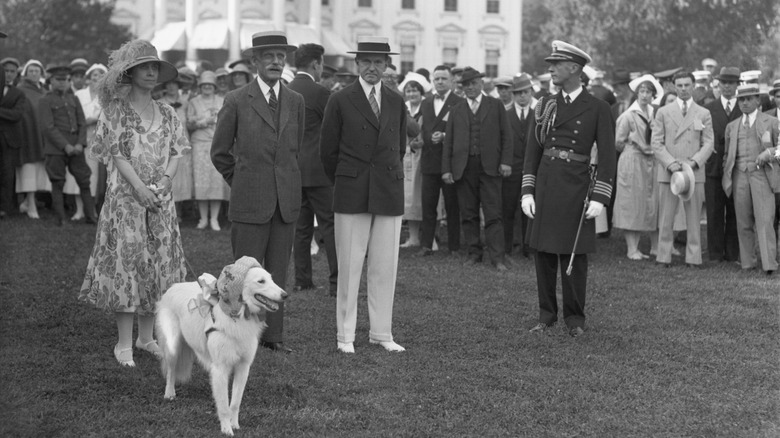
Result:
<point x="560" y="186"/>
<point x="12" y="108"/>
<point x="315" y="97"/>
<point x="430" y="160"/>
<point x="258" y="160"/>
<point x="714" y="166"/>
<point x="495" y="138"/>
<point x="362" y="155"/>
<point x="62" y="122"/>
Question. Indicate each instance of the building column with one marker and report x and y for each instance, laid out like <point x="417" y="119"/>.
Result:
<point x="234" y="30"/>
<point x="277" y="15"/>
<point x="160" y="14"/>
<point x="338" y="17"/>
<point x="189" y="19"/>
<point x="315" y="15"/>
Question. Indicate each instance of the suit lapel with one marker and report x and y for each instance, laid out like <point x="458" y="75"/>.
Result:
<point x="690" y="116"/>
<point x="285" y="105"/>
<point x="360" y="101"/>
<point x="259" y="104"/>
<point x="483" y="109"/>
<point x="445" y="109"/>
<point x="384" y="109"/>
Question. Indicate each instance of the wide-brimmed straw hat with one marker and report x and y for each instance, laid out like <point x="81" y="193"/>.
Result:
<point x="138" y="52"/>
<point x="373" y="45"/>
<point x="683" y="182"/>
<point x="272" y="39"/>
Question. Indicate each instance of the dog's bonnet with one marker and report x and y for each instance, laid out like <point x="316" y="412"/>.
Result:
<point x="231" y="283"/>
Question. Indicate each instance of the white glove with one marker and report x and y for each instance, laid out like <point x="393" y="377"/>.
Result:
<point x="594" y="209"/>
<point x="529" y="205"/>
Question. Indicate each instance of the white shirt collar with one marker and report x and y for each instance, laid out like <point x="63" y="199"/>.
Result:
<point x="446" y="95"/>
<point x="731" y="102"/>
<point x="750" y="117"/>
<point x="688" y="102"/>
<point x="573" y="95"/>
<point x="264" y="88"/>
<point x="478" y="99"/>
<point x="307" y="74"/>
<point x="367" y="89"/>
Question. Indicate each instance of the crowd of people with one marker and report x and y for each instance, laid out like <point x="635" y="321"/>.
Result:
<point x="503" y="164"/>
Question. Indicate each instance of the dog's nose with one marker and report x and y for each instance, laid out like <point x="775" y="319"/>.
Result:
<point x="284" y="295"/>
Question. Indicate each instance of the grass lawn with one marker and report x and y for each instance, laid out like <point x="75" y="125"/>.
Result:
<point x="668" y="352"/>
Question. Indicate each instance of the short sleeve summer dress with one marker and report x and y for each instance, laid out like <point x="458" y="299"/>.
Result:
<point x="137" y="254"/>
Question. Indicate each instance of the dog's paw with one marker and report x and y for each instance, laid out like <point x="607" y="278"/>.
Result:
<point x="170" y="396"/>
<point x="226" y="428"/>
<point x="234" y="422"/>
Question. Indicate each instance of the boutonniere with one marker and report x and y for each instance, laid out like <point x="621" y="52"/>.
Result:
<point x="446" y="117"/>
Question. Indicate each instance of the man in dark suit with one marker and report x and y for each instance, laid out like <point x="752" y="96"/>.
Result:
<point x="722" y="238"/>
<point x="477" y="154"/>
<point x="12" y="107"/>
<point x="435" y="113"/>
<point x="362" y="146"/>
<point x="317" y="190"/>
<point x="774" y="93"/>
<point x="257" y="139"/>
<point x="521" y="120"/>
<point x="556" y="181"/>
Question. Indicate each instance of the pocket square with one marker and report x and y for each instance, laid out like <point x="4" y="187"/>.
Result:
<point x="698" y="125"/>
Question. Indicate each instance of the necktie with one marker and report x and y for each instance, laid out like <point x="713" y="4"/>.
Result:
<point x="685" y="108"/>
<point x="474" y="106"/>
<point x="439" y="96"/>
<point x="746" y="123"/>
<point x="522" y="112"/>
<point x="728" y="108"/>
<point x="374" y="104"/>
<point x="272" y="102"/>
<point x="568" y="99"/>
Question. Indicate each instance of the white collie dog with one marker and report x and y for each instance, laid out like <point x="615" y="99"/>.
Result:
<point x="219" y="322"/>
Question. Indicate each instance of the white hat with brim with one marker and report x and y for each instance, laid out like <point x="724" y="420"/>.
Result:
<point x="659" y="90"/>
<point x="272" y="39"/>
<point x="563" y="51"/>
<point x="748" y="90"/>
<point x="415" y="77"/>
<point x="373" y="45"/>
<point x="683" y="182"/>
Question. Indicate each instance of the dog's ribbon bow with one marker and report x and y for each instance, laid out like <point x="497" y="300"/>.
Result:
<point x="209" y="297"/>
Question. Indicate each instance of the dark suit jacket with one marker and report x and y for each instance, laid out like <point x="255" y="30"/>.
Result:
<point x="714" y="166"/>
<point x="258" y="162"/>
<point x="495" y="138"/>
<point x="315" y="97"/>
<point x="430" y="160"/>
<point x="12" y="108"/>
<point x="520" y="132"/>
<point x="362" y="155"/>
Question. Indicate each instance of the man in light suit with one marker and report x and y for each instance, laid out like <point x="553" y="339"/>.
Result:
<point x="722" y="240"/>
<point x="317" y="190"/>
<point x="256" y="143"/>
<point x="682" y="133"/>
<point x="477" y="154"/>
<point x="751" y="173"/>
<point x="362" y="146"/>
<point x="435" y="113"/>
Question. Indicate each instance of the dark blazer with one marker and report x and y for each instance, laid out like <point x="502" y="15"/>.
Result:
<point x="560" y="186"/>
<point x="495" y="142"/>
<point x="62" y="122"/>
<point x="315" y="97"/>
<point x="714" y="165"/>
<point x="362" y="155"/>
<point x="258" y="162"/>
<point x="520" y="133"/>
<point x="12" y="108"/>
<point x="430" y="160"/>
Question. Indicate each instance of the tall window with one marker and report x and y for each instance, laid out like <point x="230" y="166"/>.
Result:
<point x="407" y="58"/>
<point x="491" y="63"/>
<point x="407" y="4"/>
<point x="451" y="5"/>
<point x="364" y="3"/>
<point x="325" y="2"/>
<point x="449" y="56"/>
<point x="493" y="6"/>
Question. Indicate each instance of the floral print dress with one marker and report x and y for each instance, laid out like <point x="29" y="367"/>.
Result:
<point x="138" y="254"/>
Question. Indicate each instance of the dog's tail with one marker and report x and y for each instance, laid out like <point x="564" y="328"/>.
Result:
<point x="177" y="356"/>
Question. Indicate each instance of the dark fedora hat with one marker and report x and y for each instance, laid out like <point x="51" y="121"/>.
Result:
<point x="521" y="82"/>
<point x="469" y="74"/>
<point x="58" y="70"/>
<point x="730" y="74"/>
<point x="373" y="45"/>
<point x="329" y="69"/>
<point x="621" y="76"/>
<point x="272" y="39"/>
<point x="666" y="75"/>
<point x="456" y="70"/>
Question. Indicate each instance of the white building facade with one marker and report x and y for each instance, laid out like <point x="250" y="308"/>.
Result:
<point x="484" y="34"/>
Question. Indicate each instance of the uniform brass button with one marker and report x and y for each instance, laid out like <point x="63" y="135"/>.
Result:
<point x="576" y="132"/>
<point x="572" y="142"/>
<point x="553" y="139"/>
<point x="579" y="123"/>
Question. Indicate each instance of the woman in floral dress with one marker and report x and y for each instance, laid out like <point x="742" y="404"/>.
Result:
<point x="138" y="252"/>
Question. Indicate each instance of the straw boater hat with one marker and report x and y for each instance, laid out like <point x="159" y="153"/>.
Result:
<point x="683" y="182"/>
<point x="730" y="74"/>
<point x="79" y="65"/>
<point x="416" y="77"/>
<point x="750" y="76"/>
<point x="373" y="45"/>
<point x="272" y="39"/>
<point x="775" y="87"/>
<point x="563" y="51"/>
<point x="748" y="90"/>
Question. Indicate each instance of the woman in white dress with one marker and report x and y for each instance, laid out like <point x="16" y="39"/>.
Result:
<point x="31" y="176"/>
<point x="210" y="188"/>
<point x="413" y="88"/>
<point x="88" y="97"/>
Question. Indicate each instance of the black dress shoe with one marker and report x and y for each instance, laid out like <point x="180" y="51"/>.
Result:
<point x="768" y="273"/>
<point x="276" y="346"/>
<point x="424" y="252"/>
<point x="576" y="332"/>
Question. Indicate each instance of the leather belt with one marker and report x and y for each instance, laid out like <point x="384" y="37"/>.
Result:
<point x="568" y="155"/>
